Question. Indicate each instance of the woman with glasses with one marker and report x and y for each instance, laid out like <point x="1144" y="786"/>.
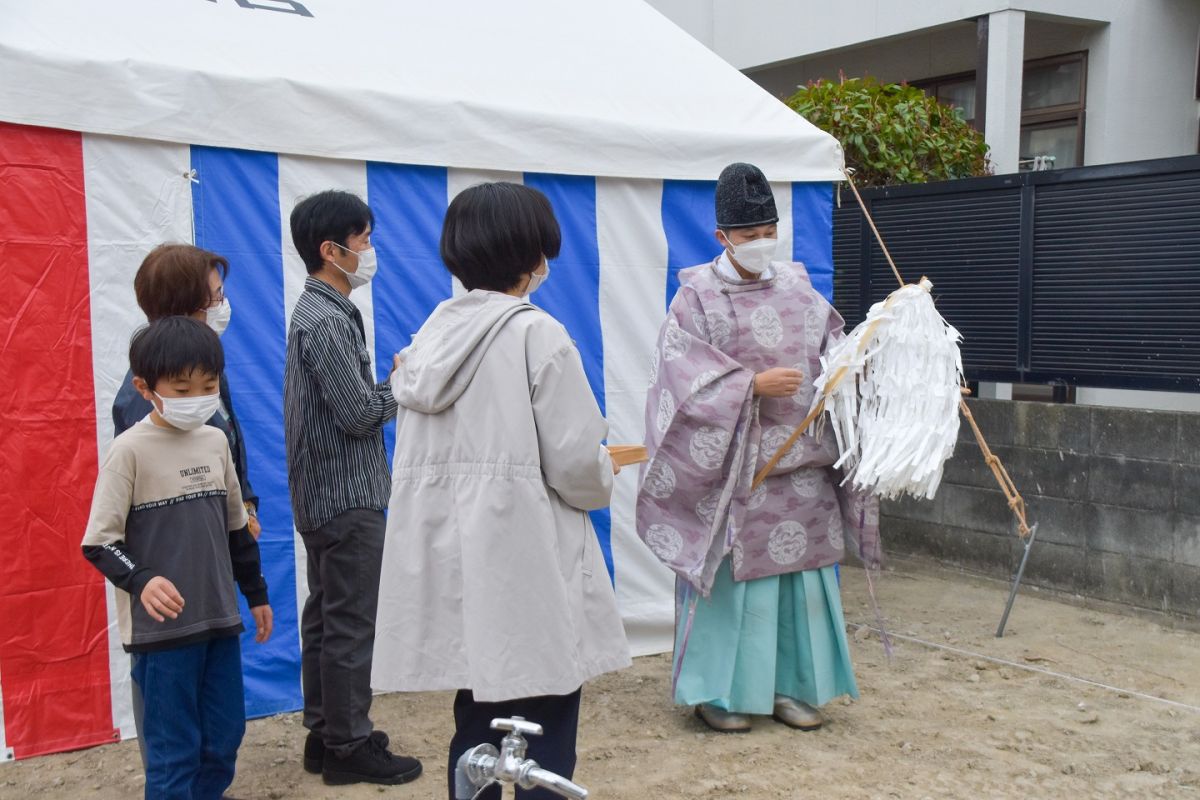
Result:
<point x="182" y="280"/>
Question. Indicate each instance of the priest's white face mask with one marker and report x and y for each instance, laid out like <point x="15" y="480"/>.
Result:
<point x="753" y="256"/>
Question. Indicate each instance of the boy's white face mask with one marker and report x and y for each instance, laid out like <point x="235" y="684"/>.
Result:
<point x="189" y="413"/>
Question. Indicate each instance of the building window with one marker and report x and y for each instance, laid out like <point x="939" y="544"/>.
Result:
<point x="1053" y="95"/>
<point x="956" y="91"/>
<point x="1053" y="92"/>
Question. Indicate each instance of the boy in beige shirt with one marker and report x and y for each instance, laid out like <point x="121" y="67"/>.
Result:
<point x="169" y="529"/>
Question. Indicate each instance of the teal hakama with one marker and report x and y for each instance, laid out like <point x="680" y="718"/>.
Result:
<point x="751" y="640"/>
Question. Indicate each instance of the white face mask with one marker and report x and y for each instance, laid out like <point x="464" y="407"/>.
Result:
<point x="366" y="267"/>
<point x="754" y="256"/>
<point x="189" y="413"/>
<point x="536" y="279"/>
<point x="218" y="316"/>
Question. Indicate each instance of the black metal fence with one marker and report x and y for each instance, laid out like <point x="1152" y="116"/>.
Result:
<point x="1084" y="277"/>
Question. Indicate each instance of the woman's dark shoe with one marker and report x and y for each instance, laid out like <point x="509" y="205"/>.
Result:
<point x="314" y="750"/>
<point x="370" y="762"/>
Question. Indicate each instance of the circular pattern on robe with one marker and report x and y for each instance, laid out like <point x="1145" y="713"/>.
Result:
<point x="709" y="446"/>
<point x="807" y="482"/>
<point x="836" y="534"/>
<point x="660" y="480"/>
<point x="666" y="411"/>
<point x="719" y="328"/>
<point x="664" y="541"/>
<point x="766" y="326"/>
<point x="706" y="509"/>
<point x="786" y="276"/>
<point x="774" y="438"/>
<point x="675" y="341"/>
<point x="698" y="320"/>
<point x="705" y="387"/>
<point x="814" y="327"/>
<point x="787" y="543"/>
<point x="737" y="557"/>
<point x="654" y="359"/>
<point x="757" y="497"/>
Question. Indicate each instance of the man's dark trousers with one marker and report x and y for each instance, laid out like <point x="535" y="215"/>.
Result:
<point x="338" y="626"/>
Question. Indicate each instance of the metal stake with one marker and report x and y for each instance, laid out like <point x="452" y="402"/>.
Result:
<point x="1012" y="595"/>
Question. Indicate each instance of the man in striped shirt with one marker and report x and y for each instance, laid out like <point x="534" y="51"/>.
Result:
<point x="334" y="413"/>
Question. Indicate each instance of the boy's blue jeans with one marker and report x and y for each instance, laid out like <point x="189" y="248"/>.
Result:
<point x="195" y="718"/>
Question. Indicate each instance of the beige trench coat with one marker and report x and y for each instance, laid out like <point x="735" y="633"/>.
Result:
<point x="493" y="579"/>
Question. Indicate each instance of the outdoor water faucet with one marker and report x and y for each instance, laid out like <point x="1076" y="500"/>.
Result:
<point x="484" y="764"/>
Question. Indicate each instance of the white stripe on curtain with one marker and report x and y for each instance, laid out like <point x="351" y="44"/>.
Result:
<point x="633" y="279"/>
<point x="299" y="177"/>
<point x="137" y="197"/>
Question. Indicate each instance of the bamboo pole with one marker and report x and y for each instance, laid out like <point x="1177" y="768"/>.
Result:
<point x="1016" y="503"/>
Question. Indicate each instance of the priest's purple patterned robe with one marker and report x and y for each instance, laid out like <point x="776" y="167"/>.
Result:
<point x="707" y="435"/>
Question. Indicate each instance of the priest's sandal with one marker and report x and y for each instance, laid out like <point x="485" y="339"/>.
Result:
<point x="797" y="714"/>
<point x="721" y="720"/>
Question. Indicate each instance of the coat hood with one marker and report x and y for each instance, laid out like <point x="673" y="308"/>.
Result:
<point x="445" y="354"/>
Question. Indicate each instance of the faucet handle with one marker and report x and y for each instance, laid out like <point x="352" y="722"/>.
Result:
<point x="517" y="725"/>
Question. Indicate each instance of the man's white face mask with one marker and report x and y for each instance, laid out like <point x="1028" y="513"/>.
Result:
<point x="754" y="256"/>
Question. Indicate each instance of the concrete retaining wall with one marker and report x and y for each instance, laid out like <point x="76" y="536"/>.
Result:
<point x="1117" y="493"/>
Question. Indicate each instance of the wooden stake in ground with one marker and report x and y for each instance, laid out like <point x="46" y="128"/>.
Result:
<point x="1012" y="496"/>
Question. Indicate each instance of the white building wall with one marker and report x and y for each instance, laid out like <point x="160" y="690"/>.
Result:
<point x="1141" y="75"/>
<point x="754" y="33"/>
<point x="1141" y="53"/>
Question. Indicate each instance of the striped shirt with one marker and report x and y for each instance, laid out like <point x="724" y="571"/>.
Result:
<point x="333" y="411"/>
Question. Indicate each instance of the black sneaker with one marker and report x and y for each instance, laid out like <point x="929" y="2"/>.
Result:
<point x="314" y="750"/>
<point x="370" y="762"/>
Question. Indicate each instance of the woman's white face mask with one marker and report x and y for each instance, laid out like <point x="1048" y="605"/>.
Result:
<point x="536" y="279"/>
<point x="218" y="316"/>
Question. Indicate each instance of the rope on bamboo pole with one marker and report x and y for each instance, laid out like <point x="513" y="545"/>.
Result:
<point x="1016" y="503"/>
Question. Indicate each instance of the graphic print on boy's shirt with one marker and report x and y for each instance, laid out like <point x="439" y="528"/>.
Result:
<point x="166" y="501"/>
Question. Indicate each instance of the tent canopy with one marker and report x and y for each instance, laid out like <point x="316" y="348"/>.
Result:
<point x="604" y="88"/>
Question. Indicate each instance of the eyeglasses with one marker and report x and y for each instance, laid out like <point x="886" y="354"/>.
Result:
<point x="216" y="298"/>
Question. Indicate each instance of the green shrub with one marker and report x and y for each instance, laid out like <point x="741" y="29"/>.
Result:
<point x="893" y="133"/>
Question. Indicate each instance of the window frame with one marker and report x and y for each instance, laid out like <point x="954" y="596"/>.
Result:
<point x="1038" y="117"/>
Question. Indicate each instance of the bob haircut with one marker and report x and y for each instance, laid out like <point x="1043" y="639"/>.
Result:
<point x="330" y="216"/>
<point x="173" y="280"/>
<point x="496" y="233"/>
<point x="174" y="346"/>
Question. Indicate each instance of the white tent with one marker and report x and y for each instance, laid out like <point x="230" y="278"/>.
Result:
<point x="584" y="88"/>
<point x="125" y="123"/>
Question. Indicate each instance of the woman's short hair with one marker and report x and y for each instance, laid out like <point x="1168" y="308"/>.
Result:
<point x="174" y="346"/>
<point x="495" y="233"/>
<point x="173" y="280"/>
<point x="330" y="216"/>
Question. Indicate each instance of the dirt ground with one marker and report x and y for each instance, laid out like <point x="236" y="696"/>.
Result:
<point x="930" y="724"/>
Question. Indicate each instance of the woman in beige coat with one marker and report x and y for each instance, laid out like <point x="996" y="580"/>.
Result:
<point x="493" y="582"/>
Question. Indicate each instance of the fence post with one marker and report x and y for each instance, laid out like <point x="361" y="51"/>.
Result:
<point x="1025" y="280"/>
